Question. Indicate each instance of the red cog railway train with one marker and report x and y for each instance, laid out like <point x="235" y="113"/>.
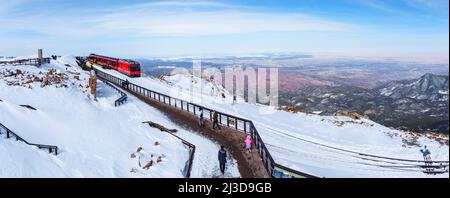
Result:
<point x="128" y="67"/>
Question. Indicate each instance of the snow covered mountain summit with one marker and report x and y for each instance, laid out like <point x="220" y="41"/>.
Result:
<point x="96" y="138"/>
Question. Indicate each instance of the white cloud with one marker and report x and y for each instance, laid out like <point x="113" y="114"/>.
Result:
<point x="170" y="18"/>
<point x="212" y="23"/>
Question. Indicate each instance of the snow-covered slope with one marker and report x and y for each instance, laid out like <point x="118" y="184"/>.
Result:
<point x="95" y="138"/>
<point x="302" y="141"/>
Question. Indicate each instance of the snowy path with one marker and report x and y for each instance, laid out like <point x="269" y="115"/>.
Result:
<point x="249" y="165"/>
<point x="205" y="163"/>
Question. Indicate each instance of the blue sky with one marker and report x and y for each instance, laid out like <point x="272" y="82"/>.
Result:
<point x="137" y="28"/>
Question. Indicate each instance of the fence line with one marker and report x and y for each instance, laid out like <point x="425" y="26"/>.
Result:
<point x="232" y="122"/>
<point x="28" y="61"/>
<point x="10" y="134"/>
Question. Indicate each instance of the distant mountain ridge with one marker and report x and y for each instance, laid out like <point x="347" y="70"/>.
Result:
<point x="428" y="87"/>
<point x="419" y="104"/>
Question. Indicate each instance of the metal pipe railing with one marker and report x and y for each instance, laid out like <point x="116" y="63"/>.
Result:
<point x="11" y="134"/>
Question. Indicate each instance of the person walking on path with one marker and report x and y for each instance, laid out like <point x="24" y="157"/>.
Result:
<point x="426" y="155"/>
<point x="125" y="83"/>
<point x="216" y="120"/>
<point x="222" y="159"/>
<point x="201" y="121"/>
<point x="248" y="143"/>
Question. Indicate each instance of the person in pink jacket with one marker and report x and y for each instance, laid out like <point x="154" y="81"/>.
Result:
<point x="248" y="143"/>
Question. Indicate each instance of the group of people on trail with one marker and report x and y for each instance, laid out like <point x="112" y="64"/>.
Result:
<point x="222" y="154"/>
<point x="201" y="119"/>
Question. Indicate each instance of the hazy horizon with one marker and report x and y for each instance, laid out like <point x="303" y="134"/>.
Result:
<point x="405" y="29"/>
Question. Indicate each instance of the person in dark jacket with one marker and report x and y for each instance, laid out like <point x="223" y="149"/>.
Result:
<point x="216" y="120"/>
<point x="426" y="153"/>
<point x="427" y="157"/>
<point x="125" y="83"/>
<point x="222" y="159"/>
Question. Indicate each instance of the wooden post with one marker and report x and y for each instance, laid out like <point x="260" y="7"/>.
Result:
<point x="40" y="58"/>
<point x="245" y="127"/>
<point x="93" y="84"/>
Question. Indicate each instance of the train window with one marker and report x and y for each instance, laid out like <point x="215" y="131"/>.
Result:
<point x="135" y="68"/>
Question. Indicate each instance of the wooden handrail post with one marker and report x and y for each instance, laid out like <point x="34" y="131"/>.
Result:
<point x="245" y="126"/>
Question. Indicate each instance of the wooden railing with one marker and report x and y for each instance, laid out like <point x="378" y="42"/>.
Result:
<point x="188" y="166"/>
<point x="230" y="121"/>
<point x="11" y="134"/>
<point x="28" y="61"/>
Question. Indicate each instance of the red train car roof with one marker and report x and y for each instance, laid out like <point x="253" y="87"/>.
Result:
<point x="114" y="59"/>
<point x="103" y="57"/>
